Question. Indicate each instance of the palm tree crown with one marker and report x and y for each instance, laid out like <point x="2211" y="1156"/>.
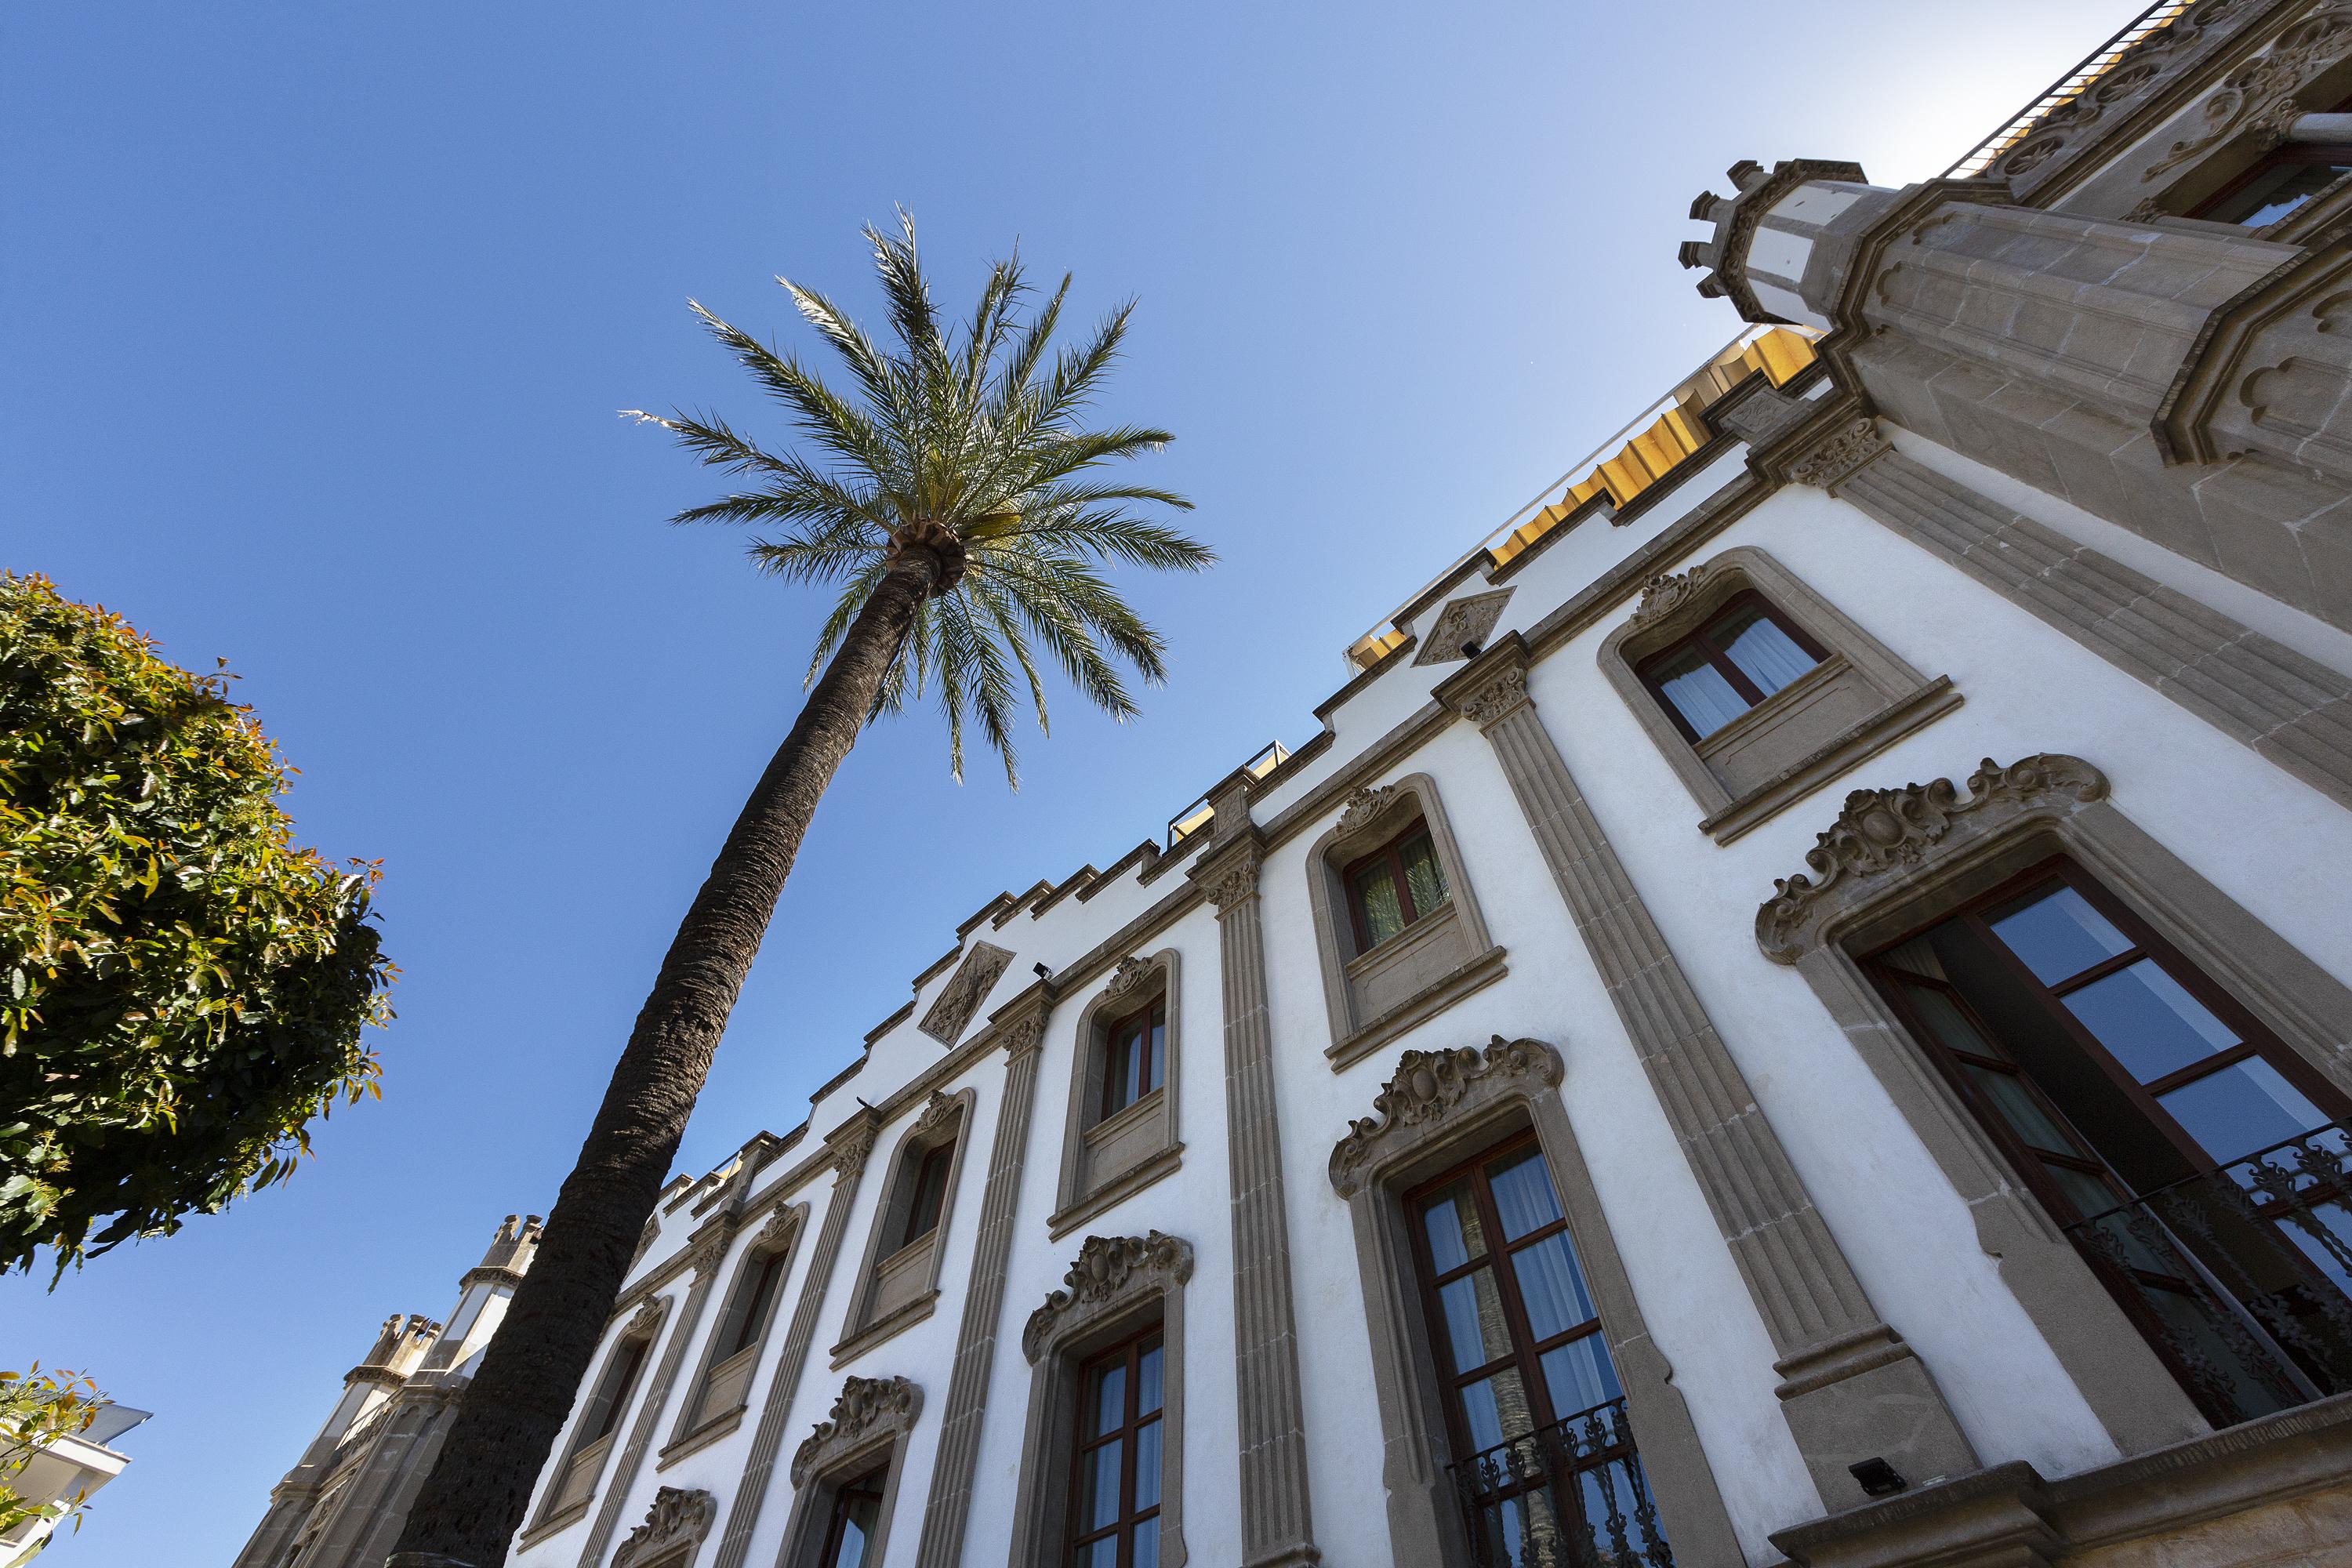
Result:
<point x="967" y="442"/>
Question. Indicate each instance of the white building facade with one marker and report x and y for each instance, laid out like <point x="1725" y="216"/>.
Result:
<point x="1796" y="1010"/>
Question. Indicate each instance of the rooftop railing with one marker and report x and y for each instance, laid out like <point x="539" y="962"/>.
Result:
<point x="2089" y="70"/>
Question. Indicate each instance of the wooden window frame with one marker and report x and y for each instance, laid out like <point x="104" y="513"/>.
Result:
<point x="751" y="1319"/>
<point x="836" y="1518"/>
<point x="1391" y="854"/>
<point x="935" y="1162"/>
<point x="1526" y="1352"/>
<point x="2255" y="1038"/>
<point x="1129" y="1353"/>
<point x="1646" y="671"/>
<point x="1152" y="1015"/>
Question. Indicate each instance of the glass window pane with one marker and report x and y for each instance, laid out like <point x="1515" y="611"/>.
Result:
<point x="2058" y="935"/>
<point x="1496" y="1409"/>
<point x="1475" y="1329"/>
<point x="1376" y="899"/>
<point x="2243" y="1108"/>
<point x="1147" y="1545"/>
<point x="1147" y="1467"/>
<point x="1147" y="1380"/>
<point x="1103" y="1553"/>
<point x="1109" y="1401"/>
<point x="2091" y="1196"/>
<point x="1552" y="1286"/>
<point x="1950" y="1022"/>
<point x="2023" y="1113"/>
<point x="1578" y="1376"/>
<point x="1764" y="652"/>
<point x="856" y="1507"/>
<point x="1422" y="877"/>
<point x="1699" y="692"/>
<point x="2276" y="192"/>
<point x="1098" y="1493"/>
<point x="1451" y="1222"/>
<point x="1916" y="956"/>
<point x="1155" y="1067"/>
<point x="1523" y="1194"/>
<point x="2151" y="1024"/>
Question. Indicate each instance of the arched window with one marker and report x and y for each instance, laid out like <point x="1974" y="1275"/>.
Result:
<point x="899" y="1283"/>
<point x="721" y="1387"/>
<point x="1122" y="1133"/>
<point x="600" y="1417"/>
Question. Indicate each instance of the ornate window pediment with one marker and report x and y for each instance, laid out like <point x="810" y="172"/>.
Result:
<point x="1111" y="1273"/>
<point x="1429" y="1089"/>
<point x="674" y="1527"/>
<point x="1881" y="834"/>
<point x="869" y="1409"/>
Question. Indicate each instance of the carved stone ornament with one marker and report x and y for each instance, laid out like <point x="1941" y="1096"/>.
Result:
<point x="939" y="1114"/>
<point x="645" y="1241"/>
<point x="2259" y="96"/>
<point x="852" y="1147"/>
<point x="2157" y="56"/>
<point x="1365" y="806"/>
<point x="678" y="1521"/>
<point x="1109" y="1269"/>
<point x="1839" y="456"/>
<point x="1668" y="592"/>
<point x="782" y="1224"/>
<point x="961" y="997"/>
<point x="867" y="1406"/>
<point x="1496" y="698"/>
<point x="646" y="1319"/>
<point x="2147" y="209"/>
<point x="1024" y="1034"/>
<point x="1428" y="1087"/>
<point x="1131" y="973"/>
<point x="1892" y="830"/>
<point x="707" y="1250"/>
<point x="1234" y="880"/>
<point x="1461" y="626"/>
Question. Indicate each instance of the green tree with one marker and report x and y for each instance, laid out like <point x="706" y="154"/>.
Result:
<point x="953" y="495"/>
<point x="37" y="1408"/>
<point x="181" y="988"/>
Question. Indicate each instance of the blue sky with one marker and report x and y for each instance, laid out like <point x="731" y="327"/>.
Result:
<point x="316" y="319"/>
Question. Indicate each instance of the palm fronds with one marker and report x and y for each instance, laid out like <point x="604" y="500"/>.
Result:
<point x="976" y="427"/>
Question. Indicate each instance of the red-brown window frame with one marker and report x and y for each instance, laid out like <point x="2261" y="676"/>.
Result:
<point x="766" y="1285"/>
<point x="1151" y="1014"/>
<point x="2254" y="1039"/>
<point x="1526" y="1352"/>
<point x="874" y="1483"/>
<point x="1129" y="1351"/>
<point x="1392" y="853"/>
<point x="620" y="1374"/>
<point x="1646" y="671"/>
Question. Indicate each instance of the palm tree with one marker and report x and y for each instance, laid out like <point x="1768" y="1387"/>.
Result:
<point x="954" y="498"/>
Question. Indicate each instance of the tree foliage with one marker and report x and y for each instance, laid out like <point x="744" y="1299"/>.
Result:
<point x="37" y="1408"/>
<point x="180" y="987"/>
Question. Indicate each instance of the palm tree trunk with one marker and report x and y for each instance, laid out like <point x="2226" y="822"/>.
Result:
<point x="515" y="1406"/>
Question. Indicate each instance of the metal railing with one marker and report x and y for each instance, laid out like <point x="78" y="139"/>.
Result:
<point x="2089" y="70"/>
<point x="1571" y="1495"/>
<point x="2241" y="1278"/>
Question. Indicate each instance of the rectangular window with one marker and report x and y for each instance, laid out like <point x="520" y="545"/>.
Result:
<point x="1744" y="655"/>
<point x="1394" y="886"/>
<point x="751" y="1319"/>
<point x="2199" y="1164"/>
<point x="1544" y="1460"/>
<point x="1115" y="1493"/>
<point x="598" y="1423"/>
<point x="930" y="1192"/>
<point x="1138" y="1057"/>
<point x="2285" y="179"/>
<point x="856" y="1512"/>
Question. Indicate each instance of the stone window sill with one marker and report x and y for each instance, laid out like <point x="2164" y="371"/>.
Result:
<point x="1432" y="999"/>
<point x="1427" y="927"/>
<point x="884" y="1328"/>
<point x="701" y="1437"/>
<point x="1115" y="1190"/>
<point x="1126" y="1116"/>
<point x="556" y="1524"/>
<point x="1820" y="766"/>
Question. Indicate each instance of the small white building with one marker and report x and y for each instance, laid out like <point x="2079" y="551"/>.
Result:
<point x="1798" y="1008"/>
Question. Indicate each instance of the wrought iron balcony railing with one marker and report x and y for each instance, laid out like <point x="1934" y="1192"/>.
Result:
<point x="2242" y="1278"/>
<point x="1571" y="1495"/>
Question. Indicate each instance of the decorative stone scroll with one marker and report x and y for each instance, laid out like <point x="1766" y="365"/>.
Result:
<point x="781" y="1226"/>
<point x="1883" y="831"/>
<point x="1667" y="593"/>
<point x="1428" y="1087"/>
<point x="1110" y="1271"/>
<point x="1131" y="973"/>
<point x="961" y="997"/>
<point x="1365" y="805"/>
<point x="1496" y="697"/>
<point x="2259" y="96"/>
<point x="939" y="1112"/>
<point x="1234" y="882"/>
<point x="676" y="1522"/>
<point x="1840" y="456"/>
<point x="868" y="1406"/>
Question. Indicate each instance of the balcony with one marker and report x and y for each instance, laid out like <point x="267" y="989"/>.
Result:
<point x="1571" y="1495"/>
<point x="2241" y="1278"/>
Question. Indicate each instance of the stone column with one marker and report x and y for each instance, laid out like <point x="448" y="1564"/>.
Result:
<point x="2186" y="384"/>
<point x="1852" y="1388"/>
<point x="850" y="1144"/>
<point x="948" y="1507"/>
<point x="2293" y="710"/>
<point x="707" y="1255"/>
<point x="1278" y="1524"/>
